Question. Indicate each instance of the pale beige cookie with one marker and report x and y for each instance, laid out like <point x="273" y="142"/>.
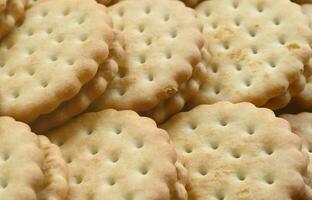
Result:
<point x="294" y="90"/>
<point x="180" y="192"/>
<point x="117" y="155"/>
<point x="163" y="40"/>
<point x="259" y="48"/>
<point x="88" y="93"/>
<point x="187" y="90"/>
<point x="12" y="13"/>
<point x="305" y="98"/>
<point x="44" y="63"/>
<point x="301" y="125"/>
<point x="238" y="151"/>
<point x="55" y="171"/>
<point x="3" y="4"/>
<point x="20" y="161"/>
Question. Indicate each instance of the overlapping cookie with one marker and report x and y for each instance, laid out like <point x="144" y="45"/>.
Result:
<point x="238" y="151"/>
<point x="258" y="51"/>
<point x="186" y="91"/>
<point x="119" y="155"/>
<point x="12" y="12"/>
<point x="301" y="125"/>
<point x="88" y="92"/>
<point x="21" y="160"/>
<point x="163" y="40"/>
<point x="44" y="62"/>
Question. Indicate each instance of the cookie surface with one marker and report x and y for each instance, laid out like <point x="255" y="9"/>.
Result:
<point x="187" y="90"/>
<point x="55" y="172"/>
<point x="304" y="99"/>
<point x="256" y="55"/>
<point x="20" y="161"/>
<point x="45" y="63"/>
<point x="117" y="155"/>
<point x="163" y="40"/>
<point x="10" y="15"/>
<point x="301" y="125"/>
<point x="88" y="92"/>
<point x="231" y="153"/>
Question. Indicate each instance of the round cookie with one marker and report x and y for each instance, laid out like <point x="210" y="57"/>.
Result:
<point x="12" y="13"/>
<point x="301" y="125"/>
<point x="88" y="92"/>
<point x="20" y="161"/>
<point x="238" y="151"/>
<point x="118" y="155"/>
<point x="187" y="90"/>
<point x="163" y="40"/>
<point x="259" y="48"/>
<point x="55" y="172"/>
<point x="44" y="63"/>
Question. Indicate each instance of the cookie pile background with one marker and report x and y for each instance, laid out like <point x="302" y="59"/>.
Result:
<point x="155" y="100"/>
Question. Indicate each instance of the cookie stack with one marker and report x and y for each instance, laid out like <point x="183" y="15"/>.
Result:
<point x="30" y="166"/>
<point x="155" y="100"/>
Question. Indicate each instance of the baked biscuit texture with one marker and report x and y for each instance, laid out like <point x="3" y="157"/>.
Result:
<point x="88" y="93"/>
<point x="44" y="63"/>
<point x="21" y="161"/>
<point x="259" y="49"/>
<point x="163" y="41"/>
<point x="55" y="172"/>
<point x="238" y="151"/>
<point x="116" y="155"/>
<point x="301" y="125"/>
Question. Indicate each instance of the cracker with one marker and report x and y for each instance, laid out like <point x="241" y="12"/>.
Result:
<point x="304" y="99"/>
<point x="163" y="40"/>
<point x="44" y="63"/>
<point x="238" y="151"/>
<point x="301" y="125"/>
<point x="55" y="172"/>
<point x="187" y="90"/>
<point x="20" y="161"/>
<point x="12" y="13"/>
<point x="179" y="191"/>
<point x="294" y="90"/>
<point x="117" y="155"/>
<point x="88" y="93"/>
<point x="259" y="48"/>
